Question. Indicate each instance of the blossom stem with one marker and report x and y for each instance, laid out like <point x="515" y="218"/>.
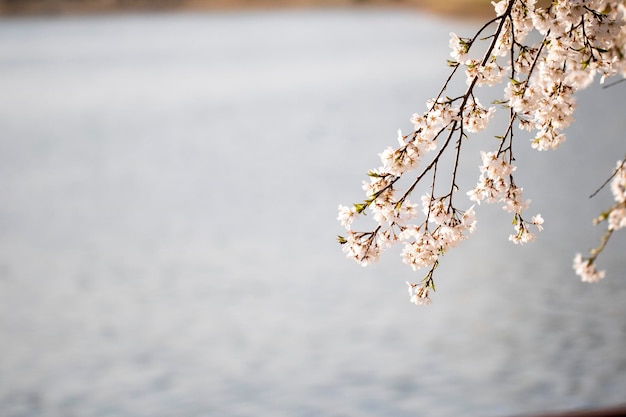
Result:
<point x="618" y="169"/>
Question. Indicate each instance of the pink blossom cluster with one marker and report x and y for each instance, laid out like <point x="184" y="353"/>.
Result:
<point x="580" y="40"/>
<point x="496" y="185"/>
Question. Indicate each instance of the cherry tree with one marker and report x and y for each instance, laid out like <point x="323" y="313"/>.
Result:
<point x="575" y="42"/>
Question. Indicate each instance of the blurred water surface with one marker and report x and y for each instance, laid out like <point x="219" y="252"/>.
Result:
<point x="168" y="194"/>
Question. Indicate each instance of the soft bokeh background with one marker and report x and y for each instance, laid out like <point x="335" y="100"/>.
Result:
<point x="169" y="184"/>
<point x="462" y="8"/>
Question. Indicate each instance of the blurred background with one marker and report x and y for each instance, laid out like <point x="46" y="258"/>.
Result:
<point x="169" y="183"/>
<point x="463" y="8"/>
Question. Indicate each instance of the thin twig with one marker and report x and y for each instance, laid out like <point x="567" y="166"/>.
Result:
<point x="610" y="178"/>
<point x="614" y="83"/>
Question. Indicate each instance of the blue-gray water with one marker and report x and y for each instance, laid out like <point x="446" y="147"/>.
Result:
<point x="168" y="194"/>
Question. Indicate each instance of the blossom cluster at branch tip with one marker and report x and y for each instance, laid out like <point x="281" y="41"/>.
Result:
<point x="418" y="294"/>
<point x="573" y="41"/>
<point x="586" y="269"/>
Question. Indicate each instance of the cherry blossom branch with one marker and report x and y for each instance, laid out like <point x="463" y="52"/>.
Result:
<point x="577" y="43"/>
